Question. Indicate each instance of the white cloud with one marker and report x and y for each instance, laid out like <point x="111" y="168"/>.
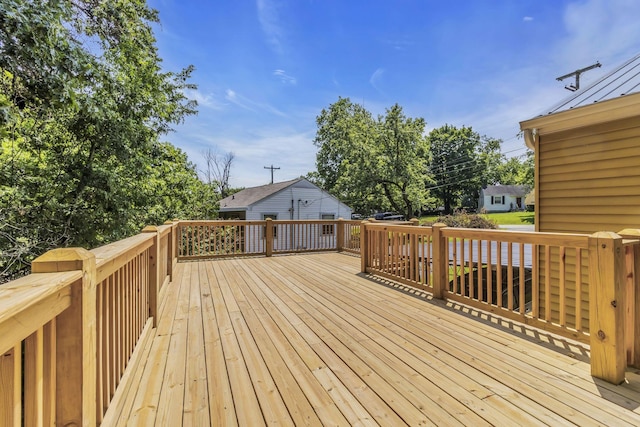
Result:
<point x="204" y="100"/>
<point x="289" y="149"/>
<point x="251" y="105"/>
<point x="285" y="78"/>
<point x="269" y="18"/>
<point x="401" y="43"/>
<point x="527" y="19"/>
<point x="605" y="30"/>
<point x="376" y="78"/>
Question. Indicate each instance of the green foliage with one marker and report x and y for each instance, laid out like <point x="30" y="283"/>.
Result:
<point x="517" y="171"/>
<point x="371" y="164"/>
<point x="500" y="218"/>
<point x="462" y="219"/>
<point x="461" y="162"/>
<point x="83" y="106"/>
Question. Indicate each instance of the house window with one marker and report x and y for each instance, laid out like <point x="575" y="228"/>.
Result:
<point x="497" y="200"/>
<point x="327" y="229"/>
<point x="275" y="227"/>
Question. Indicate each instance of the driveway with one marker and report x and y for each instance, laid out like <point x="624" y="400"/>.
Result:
<point x="523" y="227"/>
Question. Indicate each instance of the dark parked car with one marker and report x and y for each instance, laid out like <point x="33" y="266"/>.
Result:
<point x="388" y="216"/>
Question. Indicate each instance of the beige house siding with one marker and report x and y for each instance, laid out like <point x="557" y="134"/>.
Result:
<point x="589" y="178"/>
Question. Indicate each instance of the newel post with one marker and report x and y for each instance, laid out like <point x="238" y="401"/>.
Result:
<point x="268" y="237"/>
<point x="607" y="306"/>
<point x="340" y="235"/>
<point x="154" y="272"/>
<point x="76" y="342"/>
<point x="364" y="247"/>
<point x="439" y="258"/>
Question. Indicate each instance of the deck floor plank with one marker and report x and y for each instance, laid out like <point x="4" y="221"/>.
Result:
<point x="196" y="399"/>
<point x="555" y="384"/>
<point x="308" y="340"/>
<point x="298" y="342"/>
<point x="305" y="398"/>
<point x="356" y="344"/>
<point x="527" y="355"/>
<point x="475" y="395"/>
<point x="171" y="400"/>
<point x="221" y="407"/>
<point x="245" y="400"/>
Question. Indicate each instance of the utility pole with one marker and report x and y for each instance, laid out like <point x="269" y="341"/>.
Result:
<point x="272" y="169"/>
<point x="576" y="86"/>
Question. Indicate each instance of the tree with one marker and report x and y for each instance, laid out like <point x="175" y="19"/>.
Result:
<point x="399" y="152"/>
<point x="371" y="164"/>
<point x="83" y="104"/>
<point x="217" y="170"/>
<point x="460" y="163"/>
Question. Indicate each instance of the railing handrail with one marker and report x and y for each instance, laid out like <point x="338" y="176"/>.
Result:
<point x="32" y="294"/>
<point x="111" y="256"/>
<point x="532" y="237"/>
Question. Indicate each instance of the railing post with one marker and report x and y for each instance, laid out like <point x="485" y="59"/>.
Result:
<point x="154" y="272"/>
<point x="606" y="307"/>
<point x="268" y="237"/>
<point x="439" y="260"/>
<point x="632" y="296"/>
<point x="76" y="342"/>
<point x="364" y="247"/>
<point x="340" y="235"/>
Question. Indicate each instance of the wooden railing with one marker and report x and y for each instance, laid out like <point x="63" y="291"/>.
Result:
<point x="579" y="286"/>
<point x="73" y="331"/>
<point x="213" y="239"/>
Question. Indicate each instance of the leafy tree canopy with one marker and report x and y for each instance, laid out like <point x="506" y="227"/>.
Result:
<point x="83" y="106"/>
<point x="461" y="162"/>
<point x="371" y="163"/>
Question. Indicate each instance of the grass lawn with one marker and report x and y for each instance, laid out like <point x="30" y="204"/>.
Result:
<point x="512" y="218"/>
<point x="504" y="218"/>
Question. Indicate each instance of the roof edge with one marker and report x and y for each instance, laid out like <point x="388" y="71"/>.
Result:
<point x="602" y="112"/>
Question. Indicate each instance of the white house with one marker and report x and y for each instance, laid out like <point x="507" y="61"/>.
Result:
<point x="297" y="199"/>
<point x="502" y="198"/>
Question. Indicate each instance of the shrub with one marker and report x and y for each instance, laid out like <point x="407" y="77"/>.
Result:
<point x="462" y="219"/>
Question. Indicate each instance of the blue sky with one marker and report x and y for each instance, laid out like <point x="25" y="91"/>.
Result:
<point x="266" y="68"/>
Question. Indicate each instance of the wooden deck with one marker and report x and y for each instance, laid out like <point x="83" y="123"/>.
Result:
<point x="308" y="340"/>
